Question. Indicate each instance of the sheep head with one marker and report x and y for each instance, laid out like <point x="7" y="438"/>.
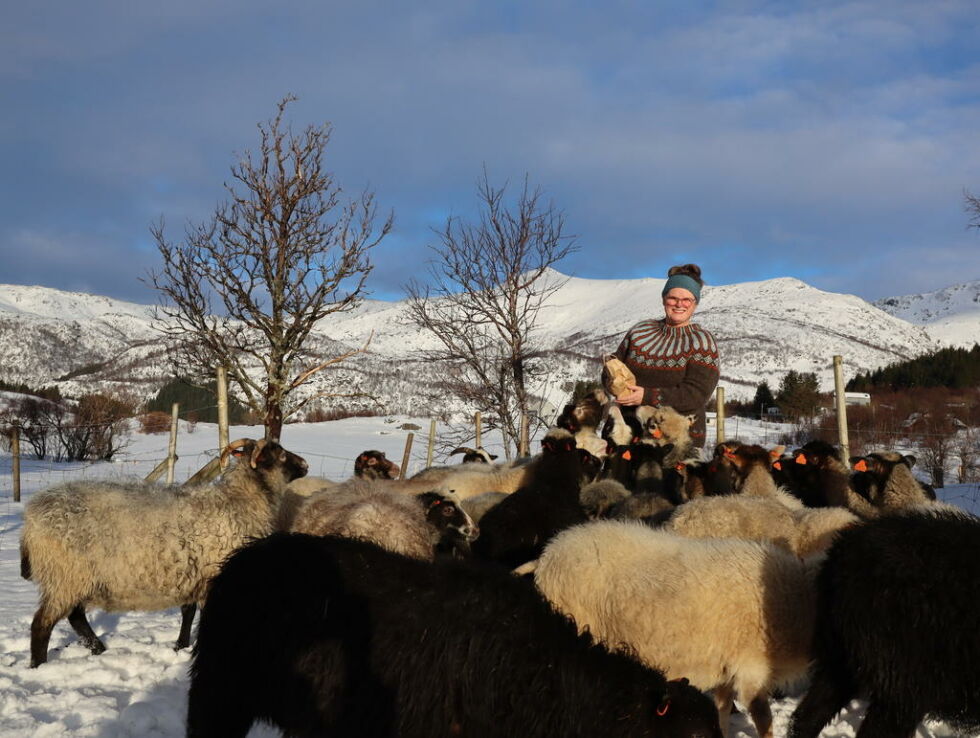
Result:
<point x="272" y="462"/>
<point x="374" y="464"/>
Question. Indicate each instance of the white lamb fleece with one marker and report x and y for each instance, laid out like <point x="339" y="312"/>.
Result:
<point x="778" y="518"/>
<point x="727" y="614"/>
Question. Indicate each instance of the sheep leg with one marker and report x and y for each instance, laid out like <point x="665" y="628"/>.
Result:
<point x="761" y="715"/>
<point x="888" y="722"/>
<point x="824" y="699"/>
<point x="186" y="621"/>
<point x="41" y="626"/>
<point x="724" y="701"/>
<point x="80" y="624"/>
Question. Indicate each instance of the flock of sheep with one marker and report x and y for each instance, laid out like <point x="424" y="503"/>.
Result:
<point x="612" y="584"/>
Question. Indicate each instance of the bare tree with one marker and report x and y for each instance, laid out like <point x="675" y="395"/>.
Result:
<point x="489" y="280"/>
<point x="971" y="203"/>
<point x="278" y="257"/>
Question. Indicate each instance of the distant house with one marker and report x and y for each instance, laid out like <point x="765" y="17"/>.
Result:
<point x="857" y="398"/>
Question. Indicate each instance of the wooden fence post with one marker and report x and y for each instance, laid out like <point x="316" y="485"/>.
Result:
<point x="407" y="455"/>
<point x="845" y="446"/>
<point x="15" y="453"/>
<point x="432" y="442"/>
<point x="524" y="442"/>
<point x="720" y="415"/>
<point x="172" y="455"/>
<point x="222" y="408"/>
<point x="478" y="423"/>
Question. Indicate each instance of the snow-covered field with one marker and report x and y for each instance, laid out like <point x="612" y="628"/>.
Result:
<point x="138" y="687"/>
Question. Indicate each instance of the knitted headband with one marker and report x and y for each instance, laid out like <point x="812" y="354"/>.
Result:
<point x="685" y="282"/>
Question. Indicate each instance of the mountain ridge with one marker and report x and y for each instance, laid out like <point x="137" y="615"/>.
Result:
<point x="763" y="329"/>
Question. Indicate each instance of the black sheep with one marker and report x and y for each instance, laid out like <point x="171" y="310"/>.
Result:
<point x="516" y="529"/>
<point x="329" y="636"/>
<point x="898" y="624"/>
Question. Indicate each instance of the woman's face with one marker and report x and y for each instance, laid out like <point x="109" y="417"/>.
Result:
<point x="679" y="305"/>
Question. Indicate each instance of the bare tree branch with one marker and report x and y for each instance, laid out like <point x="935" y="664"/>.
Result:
<point x="488" y="282"/>
<point x="281" y="254"/>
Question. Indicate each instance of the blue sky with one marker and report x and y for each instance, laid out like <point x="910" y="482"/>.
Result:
<point x="828" y="141"/>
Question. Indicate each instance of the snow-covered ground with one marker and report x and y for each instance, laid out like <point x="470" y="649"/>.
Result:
<point x="138" y="687"/>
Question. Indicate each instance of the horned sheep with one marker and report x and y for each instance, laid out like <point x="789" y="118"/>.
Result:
<point x="733" y="616"/>
<point x="134" y="546"/>
<point x="357" y="641"/>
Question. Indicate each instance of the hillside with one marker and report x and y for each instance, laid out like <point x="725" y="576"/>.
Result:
<point x="86" y="342"/>
<point x="951" y="315"/>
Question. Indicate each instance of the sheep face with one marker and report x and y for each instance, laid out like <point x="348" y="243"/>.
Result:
<point x="373" y="464"/>
<point x="666" y="425"/>
<point x="456" y="528"/>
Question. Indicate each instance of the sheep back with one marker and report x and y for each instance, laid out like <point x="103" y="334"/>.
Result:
<point x="359" y="641"/>
<point x="720" y="612"/>
<point x="897" y="622"/>
<point x="136" y="546"/>
<point x="371" y="513"/>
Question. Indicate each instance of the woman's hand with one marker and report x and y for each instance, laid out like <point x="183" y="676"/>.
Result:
<point x="632" y="396"/>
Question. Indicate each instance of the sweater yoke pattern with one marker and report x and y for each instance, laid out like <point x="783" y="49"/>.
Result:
<point x="655" y="346"/>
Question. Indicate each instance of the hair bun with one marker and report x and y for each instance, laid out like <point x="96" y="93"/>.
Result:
<point x="691" y="270"/>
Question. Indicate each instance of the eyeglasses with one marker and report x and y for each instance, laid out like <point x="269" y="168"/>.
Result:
<point x="682" y="301"/>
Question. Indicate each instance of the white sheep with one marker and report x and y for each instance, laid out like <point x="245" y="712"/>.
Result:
<point x="663" y="425"/>
<point x="123" y="547"/>
<point x="779" y="518"/>
<point x="399" y="523"/>
<point x="733" y="616"/>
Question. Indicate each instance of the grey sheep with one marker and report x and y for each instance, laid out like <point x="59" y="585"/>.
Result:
<point x="123" y="547"/>
<point x="371" y="512"/>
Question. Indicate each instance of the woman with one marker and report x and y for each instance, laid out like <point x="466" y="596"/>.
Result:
<point x="674" y="360"/>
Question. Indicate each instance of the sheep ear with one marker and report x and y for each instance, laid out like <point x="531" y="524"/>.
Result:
<point x="910" y="460"/>
<point x="777" y="451"/>
<point x="392" y="468"/>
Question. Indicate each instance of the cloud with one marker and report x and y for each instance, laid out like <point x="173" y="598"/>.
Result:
<point x="749" y="136"/>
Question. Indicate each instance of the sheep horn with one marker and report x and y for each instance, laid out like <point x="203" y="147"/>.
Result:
<point x="462" y="450"/>
<point x="232" y="447"/>
<point x="253" y="462"/>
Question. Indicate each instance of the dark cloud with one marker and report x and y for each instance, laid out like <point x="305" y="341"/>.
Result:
<point x="826" y="142"/>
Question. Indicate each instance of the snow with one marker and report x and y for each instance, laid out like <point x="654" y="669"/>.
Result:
<point x="138" y="687"/>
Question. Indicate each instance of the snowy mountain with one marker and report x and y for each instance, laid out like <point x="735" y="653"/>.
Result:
<point x="951" y="316"/>
<point x="85" y="343"/>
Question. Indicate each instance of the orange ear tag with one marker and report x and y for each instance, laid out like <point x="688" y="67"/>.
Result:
<point x="729" y="454"/>
<point x="861" y="466"/>
<point x="800" y="459"/>
<point x="657" y="433"/>
<point x="778" y="465"/>
<point x="679" y="467"/>
<point x="627" y="456"/>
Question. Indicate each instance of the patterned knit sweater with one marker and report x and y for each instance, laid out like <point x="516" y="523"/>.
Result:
<point x="677" y="367"/>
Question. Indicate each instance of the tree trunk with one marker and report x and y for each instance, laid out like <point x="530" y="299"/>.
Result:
<point x="273" y="415"/>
